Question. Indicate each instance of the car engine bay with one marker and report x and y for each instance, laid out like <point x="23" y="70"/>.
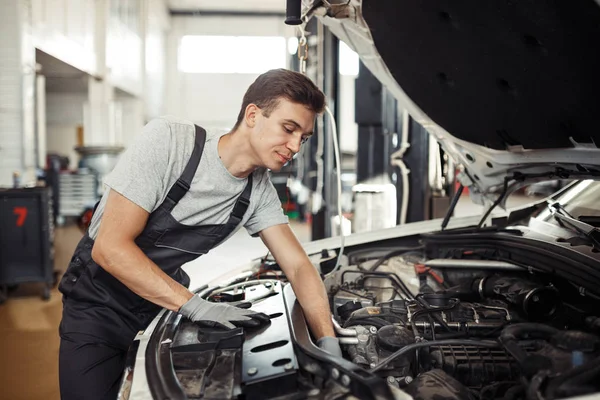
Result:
<point x="432" y="320"/>
<point x="465" y="328"/>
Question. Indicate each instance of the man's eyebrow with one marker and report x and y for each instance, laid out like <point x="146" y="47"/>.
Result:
<point x="291" y="121"/>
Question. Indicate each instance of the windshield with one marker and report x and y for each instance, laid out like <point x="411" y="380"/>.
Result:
<point x="581" y="200"/>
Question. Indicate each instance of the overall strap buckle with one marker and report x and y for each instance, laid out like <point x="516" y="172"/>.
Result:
<point x="242" y="203"/>
<point x="240" y="207"/>
<point x="178" y="190"/>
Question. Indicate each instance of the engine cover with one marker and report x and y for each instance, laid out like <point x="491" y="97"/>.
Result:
<point x="474" y="366"/>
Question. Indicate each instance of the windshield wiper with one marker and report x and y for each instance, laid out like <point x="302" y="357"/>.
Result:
<point x="566" y="220"/>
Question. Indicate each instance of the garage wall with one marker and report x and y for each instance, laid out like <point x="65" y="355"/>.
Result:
<point x="10" y="94"/>
<point x="17" y="88"/>
<point x="65" y="29"/>
<point x="64" y="114"/>
<point x="122" y="43"/>
<point x="155" y="53"/>
<point x="213" y="100"/>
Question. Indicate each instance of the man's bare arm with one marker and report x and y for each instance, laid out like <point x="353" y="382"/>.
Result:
<point x="303" y="276"/>
<point x="115" y="251"/>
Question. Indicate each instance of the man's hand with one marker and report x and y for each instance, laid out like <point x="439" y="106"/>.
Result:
<point x="221" y="314"/>
<point x="330" y="345"/>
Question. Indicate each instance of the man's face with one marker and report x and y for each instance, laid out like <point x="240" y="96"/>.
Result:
<point x="279" y="136"/>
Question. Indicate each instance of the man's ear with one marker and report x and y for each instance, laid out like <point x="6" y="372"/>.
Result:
<point x="252" y="112"/>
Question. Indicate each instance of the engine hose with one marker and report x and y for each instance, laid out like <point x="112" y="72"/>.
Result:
<point x="427" y="309"/>
<point x="398" y="282"/>
<point x="513" y="392"/>
<point x="376" y="322"/>
<point x="455" y="335"/>
<point x="510" y="336"/>
<point x="576" y="376"/>
<point x="446" y="342"/>
<point x="416" y="331"/>
<point x="434" y="309"/>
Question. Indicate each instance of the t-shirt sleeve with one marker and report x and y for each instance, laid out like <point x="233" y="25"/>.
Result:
<point x="268" y="211"/>
<point x="140" y="173"/>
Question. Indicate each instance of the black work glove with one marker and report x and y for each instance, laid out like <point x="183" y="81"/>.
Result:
<point x="221" y="315"/>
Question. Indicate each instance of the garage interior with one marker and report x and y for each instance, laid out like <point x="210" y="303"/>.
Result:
<point x="80" y="78"/>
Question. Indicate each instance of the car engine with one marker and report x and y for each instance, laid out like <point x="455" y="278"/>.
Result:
<point x="464" y="328"/>
<point x="432" y="321"/>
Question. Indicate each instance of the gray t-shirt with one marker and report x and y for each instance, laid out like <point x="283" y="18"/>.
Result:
<point x="147" y="170"/>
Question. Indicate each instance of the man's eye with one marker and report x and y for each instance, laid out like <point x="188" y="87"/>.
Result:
<point x="305" y="139"/>
<point x="288" y="130"/>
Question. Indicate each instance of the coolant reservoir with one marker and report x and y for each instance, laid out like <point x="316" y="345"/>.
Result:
<point x="375" y="206"/>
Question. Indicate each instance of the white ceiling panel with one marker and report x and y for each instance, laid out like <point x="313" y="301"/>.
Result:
<point x="60" y="76"/>
<point x="228" y="5"/>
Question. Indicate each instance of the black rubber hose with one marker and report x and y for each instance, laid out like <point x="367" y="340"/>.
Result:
<point x="513" y="392"/>
<point x="434" y="309"/>
<point x="403" y="288"/>
<point x="427" y="309"/>
<point x="379" y="323"/>
<point x="512" y="333"/>
<point x="293" y="12"/>
<point x="428" y="312"/>
<point x="456" y="335"/>
<point x="576" y="376"/>
<point x="589" y="371"/>
<point x="416" y="330"/>
<point x="518" y="331"/>
<point x="447" y="342"/>
<point x="366" y="319"/>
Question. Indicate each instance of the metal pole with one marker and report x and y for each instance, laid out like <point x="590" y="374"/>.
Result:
<point x="329" y="63"/>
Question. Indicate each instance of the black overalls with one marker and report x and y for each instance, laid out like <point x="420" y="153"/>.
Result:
<point x="101" y="316"/>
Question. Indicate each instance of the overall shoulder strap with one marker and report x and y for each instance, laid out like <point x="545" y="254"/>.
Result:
<point x="180" y="188"/>
<point x="241" y="204"/>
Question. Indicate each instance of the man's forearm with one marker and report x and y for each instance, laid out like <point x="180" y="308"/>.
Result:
<point x="128" y="263"/>
<point x="311" y="294"/>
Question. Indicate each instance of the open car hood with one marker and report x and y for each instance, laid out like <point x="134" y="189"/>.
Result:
<point x="504" y="87"/>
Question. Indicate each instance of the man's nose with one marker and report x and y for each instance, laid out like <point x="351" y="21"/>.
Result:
<point x="295" y="143"/>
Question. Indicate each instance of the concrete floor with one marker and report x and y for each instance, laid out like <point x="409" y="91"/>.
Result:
<point x="29" y="339"/>
<point x="29" y="333"/>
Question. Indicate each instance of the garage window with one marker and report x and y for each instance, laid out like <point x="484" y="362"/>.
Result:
<point x="231" y="54"/>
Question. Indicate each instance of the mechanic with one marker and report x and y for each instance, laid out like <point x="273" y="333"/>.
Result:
<point x="176" y="193"/>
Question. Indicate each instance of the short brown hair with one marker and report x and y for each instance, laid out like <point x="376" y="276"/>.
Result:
<point x="275" y="84"/>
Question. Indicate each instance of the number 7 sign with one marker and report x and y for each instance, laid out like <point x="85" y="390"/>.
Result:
<point x="21" y="213"/>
